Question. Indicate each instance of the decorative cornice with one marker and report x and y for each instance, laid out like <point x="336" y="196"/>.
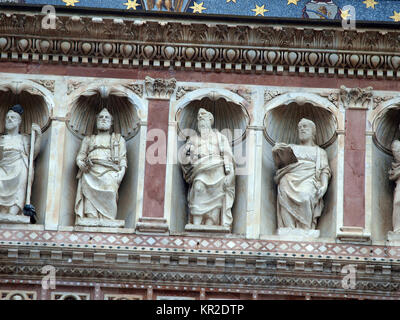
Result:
<point x="197" y="46"/>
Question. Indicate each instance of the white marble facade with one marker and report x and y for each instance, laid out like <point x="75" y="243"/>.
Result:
<point x="254" y="202"/>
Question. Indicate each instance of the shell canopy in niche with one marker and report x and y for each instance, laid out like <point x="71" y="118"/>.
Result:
<point x="227" y="115"/>
<point x="386" y="128"/>
<point x="82" y="119"/>
<point x="33" y="102"/>
<point x="280" y="124"/>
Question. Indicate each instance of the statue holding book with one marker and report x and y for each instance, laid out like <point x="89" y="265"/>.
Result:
<point x="17" y="152"/>
<point x="302" y="177"/>
<point x="102" y="163"/>
<point x="208" y="168"/>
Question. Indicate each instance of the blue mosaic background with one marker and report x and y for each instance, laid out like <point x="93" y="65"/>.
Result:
<point x="365" y="10"/>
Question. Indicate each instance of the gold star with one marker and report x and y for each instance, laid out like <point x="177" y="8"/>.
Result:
<point x="231" y="0"/>
<point x="70" y="2"/>
<point x="370" y="3"/>
<point x="197" y="7"/>
<point x="396" y="16"/>
<point x="345" y="14"/>
<point x="259" y="10"/>
<point x="131" y="4"/>
<point x="292" y="1"/>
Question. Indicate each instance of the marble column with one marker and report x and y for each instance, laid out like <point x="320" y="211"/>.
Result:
<point x="354" y="226"/>
<point x="158" y="93"/>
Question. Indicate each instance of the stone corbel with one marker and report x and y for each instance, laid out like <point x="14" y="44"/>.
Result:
<point x="356" y="98"/>
<point x="159" y="88"/>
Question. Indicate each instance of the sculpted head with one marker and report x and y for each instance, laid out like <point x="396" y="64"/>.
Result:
<point x="13" y="117"/>
<point x="307" y="130"/>
<point x="104" y="120"/>
<point x="205" y="119"/>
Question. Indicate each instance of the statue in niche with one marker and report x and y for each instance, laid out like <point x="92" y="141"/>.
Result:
<point x="302" y="177"/>
<point x="394" y="175"/>
<point x="102" y="164"/>
<point x="15" y="177"/>
<point x="208" y="167"/>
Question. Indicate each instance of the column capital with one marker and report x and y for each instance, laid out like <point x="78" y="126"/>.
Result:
<point x="356" y="98"/>
<point x="161" y="89"/>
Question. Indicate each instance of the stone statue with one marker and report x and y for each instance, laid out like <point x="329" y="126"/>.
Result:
<point x="394" y="175"/>
<point x="302" y="177"/>
<point x="14" y="167"/>
<point x="208" y="168"/>
<point x="102" y="163"/>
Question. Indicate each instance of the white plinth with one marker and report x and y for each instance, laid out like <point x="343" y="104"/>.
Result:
<point x="92" y="222"/>
<point x="209" y="229"/>
<point x="292" y="233"/>
<point x="393" y="237"/>
<point x="14" y="219"/>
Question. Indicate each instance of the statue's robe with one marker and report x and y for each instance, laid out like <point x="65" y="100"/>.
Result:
<point x="394" y="175"/>
<point x="207" y="167"/>
<point x="97" y="193"/>
<point x="14" y="165"/>
<point x="298" y="205"/>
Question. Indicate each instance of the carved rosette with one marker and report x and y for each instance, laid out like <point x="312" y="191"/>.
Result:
<point x="356" y="98"/>
<point x="159" y="88"/>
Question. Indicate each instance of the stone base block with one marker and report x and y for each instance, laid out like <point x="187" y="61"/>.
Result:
<point x="152" y="225"/>
<point x="353" y="235"/>
<point x="209" y="229"/>
<point x="91" y="222"/>
<point x="394" y="237"/>
<point x="294" y="233"/>
<point x="13" y="219"/>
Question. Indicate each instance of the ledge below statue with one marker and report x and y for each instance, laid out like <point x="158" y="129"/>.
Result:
<point x="393" y="238"/>
<point x="205" y="228"/>
<point x="90" y="222"/>
<point x="14" y="219"/>
<point x="297" y="234"/>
